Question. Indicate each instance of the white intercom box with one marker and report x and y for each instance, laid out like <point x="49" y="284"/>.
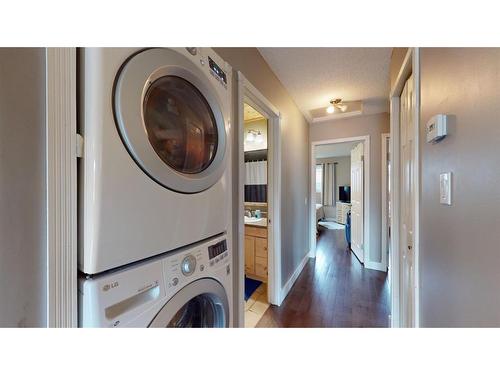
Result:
<point x="436" y="128"/>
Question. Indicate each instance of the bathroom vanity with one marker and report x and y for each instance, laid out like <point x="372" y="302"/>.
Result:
<point x="256" y="254"/>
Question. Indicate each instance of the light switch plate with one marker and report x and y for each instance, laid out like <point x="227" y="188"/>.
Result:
<point x="445" y="188"/>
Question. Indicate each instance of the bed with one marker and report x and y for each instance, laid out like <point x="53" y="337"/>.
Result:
<point x="320" y="213"/>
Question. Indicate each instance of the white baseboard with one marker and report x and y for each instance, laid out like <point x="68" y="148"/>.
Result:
<point x="294" y="277"/>
<point x="376" y="266"/>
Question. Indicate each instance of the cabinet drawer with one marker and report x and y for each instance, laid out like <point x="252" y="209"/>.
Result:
<point x="255" y="232"/>
<point x="261" y="266"/>
<point x="261" y="247"/>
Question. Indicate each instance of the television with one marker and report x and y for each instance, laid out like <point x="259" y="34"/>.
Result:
<point x="345" y="193"/>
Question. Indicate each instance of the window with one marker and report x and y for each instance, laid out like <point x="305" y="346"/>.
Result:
<point x="319" y="183"/>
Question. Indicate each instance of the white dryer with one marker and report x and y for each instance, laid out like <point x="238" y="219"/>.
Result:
<point x="191" y="287"/>
<point x="154" y="175"/>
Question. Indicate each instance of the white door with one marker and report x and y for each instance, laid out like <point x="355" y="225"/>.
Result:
<point x="357" y="226"/>
<point x="407" y="208"/>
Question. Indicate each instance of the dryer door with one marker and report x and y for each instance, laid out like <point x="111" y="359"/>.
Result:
<point x="170" y="120"/>
<point x="201" y="304"/>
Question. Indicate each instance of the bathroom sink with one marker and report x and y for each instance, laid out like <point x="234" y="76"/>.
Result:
<point x="255" y="220"/>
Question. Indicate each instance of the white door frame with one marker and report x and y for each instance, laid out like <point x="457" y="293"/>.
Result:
<point x="367" y="202"/>
<point x="385" y="186"/>
<point x="61" y="146"/>
<point x="248" y="93"/>
<point x="410" y="66"/>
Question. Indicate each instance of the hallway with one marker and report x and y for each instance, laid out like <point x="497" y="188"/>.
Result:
<point x="333" y="290"/>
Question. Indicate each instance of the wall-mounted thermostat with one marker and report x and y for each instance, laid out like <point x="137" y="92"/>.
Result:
<point x="436" y="128"/>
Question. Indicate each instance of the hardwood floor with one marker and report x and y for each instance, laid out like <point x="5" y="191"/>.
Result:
<point x="333" y="290"/>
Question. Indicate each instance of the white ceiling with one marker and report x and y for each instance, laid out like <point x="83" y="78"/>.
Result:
<point x="314" y="76"/>
<point x="334" y="150"/>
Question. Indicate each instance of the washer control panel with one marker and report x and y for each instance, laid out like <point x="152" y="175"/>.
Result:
<point x="188" y="265"/>
<point x="201" y="261"/>
<point x="217" y="252"/>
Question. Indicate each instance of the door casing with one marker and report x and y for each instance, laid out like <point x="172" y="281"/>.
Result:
<point x="367" y="204"/>
<point x="248" y="93"/>
<point x="410" y="66"/>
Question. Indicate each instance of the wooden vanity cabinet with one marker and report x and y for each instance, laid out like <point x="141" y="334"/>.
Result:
<point x="256" y="254"/>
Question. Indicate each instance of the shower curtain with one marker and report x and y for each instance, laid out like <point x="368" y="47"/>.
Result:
<point x="256" y="181"/>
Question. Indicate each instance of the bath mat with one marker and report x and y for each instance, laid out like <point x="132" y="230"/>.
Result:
<point x="250" y="286"/>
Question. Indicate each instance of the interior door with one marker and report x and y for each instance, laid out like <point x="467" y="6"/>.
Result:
<point x="357" y="201"/>
<point x="407" y="208"/>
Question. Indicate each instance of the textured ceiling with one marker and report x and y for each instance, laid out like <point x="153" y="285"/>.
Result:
<point x="250" y="114"/>
<point x="334" y="150"/>
<point x="314" y="76"/>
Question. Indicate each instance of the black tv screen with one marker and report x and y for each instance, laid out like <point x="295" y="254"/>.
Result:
<point x="345" y="193"/>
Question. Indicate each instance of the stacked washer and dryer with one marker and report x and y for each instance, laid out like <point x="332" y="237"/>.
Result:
<point x="154" y="188"/>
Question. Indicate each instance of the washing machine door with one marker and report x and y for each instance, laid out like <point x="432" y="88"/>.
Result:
<point x="170" y="120"/>
<point x="201" y="304"/>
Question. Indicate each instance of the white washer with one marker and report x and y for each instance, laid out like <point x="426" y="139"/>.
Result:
<point x="191" y="287"/>
<point x="153" y="176"/>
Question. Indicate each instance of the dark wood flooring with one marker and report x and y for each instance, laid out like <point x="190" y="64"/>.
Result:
<point x="333" y="290"/>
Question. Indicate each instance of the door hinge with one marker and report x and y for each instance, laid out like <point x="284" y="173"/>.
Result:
<point x="79" y="146"/>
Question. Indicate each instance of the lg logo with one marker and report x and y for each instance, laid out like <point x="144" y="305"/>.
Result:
<point x="109" y="286"/>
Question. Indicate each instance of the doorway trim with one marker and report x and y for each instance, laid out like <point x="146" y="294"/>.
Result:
<point x="250" y="94"/>
<point x="385" y="195"/>
<point x="366" y="187"/>
<point x="410" y="66"/>
<point x="61" y="194"/>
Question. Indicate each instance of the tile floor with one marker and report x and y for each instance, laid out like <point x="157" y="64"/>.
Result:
<point x="256" y="306"/>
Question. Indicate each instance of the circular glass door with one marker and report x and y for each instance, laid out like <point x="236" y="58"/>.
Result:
<point x="180" y="124"/>
<point x="170" y="120"/>
<point x="203" y="311"/>
<point x="201" y="304"/>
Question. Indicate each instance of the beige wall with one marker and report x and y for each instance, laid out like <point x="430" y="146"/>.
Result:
<point x="374" y="126"/>
<point x="460" y="244"/>
<point x="22" y="188"/>
<point x="295" y="154"/>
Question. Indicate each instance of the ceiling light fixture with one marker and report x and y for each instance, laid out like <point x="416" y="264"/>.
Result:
<point x="336" y="104"/>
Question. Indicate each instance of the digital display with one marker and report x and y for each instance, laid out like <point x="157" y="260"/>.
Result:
<point x="217" y="249"/>
<point x="217" y="70"/>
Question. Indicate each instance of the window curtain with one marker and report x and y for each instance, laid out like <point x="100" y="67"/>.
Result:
<point x="328" y="184"/>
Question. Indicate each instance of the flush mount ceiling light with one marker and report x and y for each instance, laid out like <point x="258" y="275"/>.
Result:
<point x="254" y="136"/>
<point x="335" y="106"/>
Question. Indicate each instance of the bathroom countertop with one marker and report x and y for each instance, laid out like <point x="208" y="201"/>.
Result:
<point x="261" y="223"/>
